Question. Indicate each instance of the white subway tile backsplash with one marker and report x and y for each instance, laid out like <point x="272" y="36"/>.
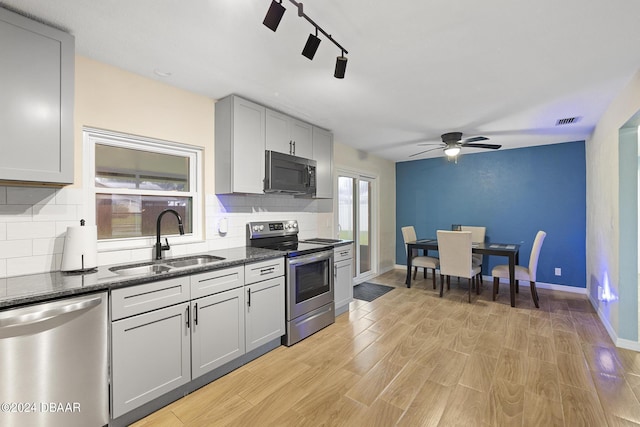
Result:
<point x="30" y="195"/>
<point x="114" y="257"/>
<point x="31" y="265"/>
<point x="54" y="212"/>
<point x="70" y="196"/>
<point x="34" y="221"/>
<point x="47" y="246"/>
<point x="31" y="230"/>
<point x="16" y="248"/>
<point x="13" y="213"/>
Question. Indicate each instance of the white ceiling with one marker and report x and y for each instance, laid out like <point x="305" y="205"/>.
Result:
<point x="506" y="69"/>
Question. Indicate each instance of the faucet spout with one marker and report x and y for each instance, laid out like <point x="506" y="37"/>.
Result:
<point x="159" y="247"/>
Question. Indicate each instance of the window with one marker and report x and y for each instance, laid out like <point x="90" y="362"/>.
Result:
<point x="131" y="180"/>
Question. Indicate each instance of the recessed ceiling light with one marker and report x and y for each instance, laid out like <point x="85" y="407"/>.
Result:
<point x="161" y="73"/>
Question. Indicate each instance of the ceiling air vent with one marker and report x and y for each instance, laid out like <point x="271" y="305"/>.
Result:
<point x="567" y="121"/>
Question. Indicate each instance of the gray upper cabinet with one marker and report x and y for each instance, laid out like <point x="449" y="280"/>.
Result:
<point x="239" y="146"/>
<point x="323" y="155"/>
<point x="36" y="106"/>
<point x="288" y="135"/>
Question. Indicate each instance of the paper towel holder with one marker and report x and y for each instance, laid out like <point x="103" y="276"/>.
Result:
<point x="80" y="249"/>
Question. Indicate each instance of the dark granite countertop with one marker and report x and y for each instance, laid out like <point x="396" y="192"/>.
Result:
<point x="328" y="241"/>
<point x="342" y="243"/>
<point x="20" y="290"/>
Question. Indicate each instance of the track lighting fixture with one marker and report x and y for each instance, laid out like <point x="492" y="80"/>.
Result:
<point x="311" y="46"/>
<point x="272" y="20"/>
<point x="274" y="15"/>
<point x="341" y="66"/>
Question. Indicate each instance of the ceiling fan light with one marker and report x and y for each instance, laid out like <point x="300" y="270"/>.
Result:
<point x="274" y="15"/>
<point x="452" y="151"/>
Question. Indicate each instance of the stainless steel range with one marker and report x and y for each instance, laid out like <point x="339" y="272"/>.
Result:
<point x="309" y="277"/>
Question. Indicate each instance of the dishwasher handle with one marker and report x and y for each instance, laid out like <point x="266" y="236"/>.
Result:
<point x="27" y="319"/>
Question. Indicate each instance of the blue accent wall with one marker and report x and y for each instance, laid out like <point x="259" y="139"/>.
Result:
<point x="513" y="193"/>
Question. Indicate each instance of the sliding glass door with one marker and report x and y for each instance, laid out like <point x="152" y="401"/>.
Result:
<point x="356" y="220"/>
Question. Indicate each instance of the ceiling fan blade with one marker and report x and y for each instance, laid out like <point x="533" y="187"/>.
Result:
<point x="430" y="143"/>
<point x="426" y="151"/>
<point x="489" y="146"/>
<point x="474" y="139"/>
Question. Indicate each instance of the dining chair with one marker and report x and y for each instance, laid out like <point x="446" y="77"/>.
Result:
<point x="454" y="249"/>
<point x="522" y="273"/>
<point x="477" y="236"/>
<point x="424" y="262"/>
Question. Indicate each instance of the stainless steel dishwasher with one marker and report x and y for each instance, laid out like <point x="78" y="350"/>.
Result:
<point x="53" y="363"/>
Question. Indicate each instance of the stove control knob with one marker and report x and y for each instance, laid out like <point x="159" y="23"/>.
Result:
<point x="256" y="228"/>
<point x="261" y="227"/>
<point x="294" y="225"/>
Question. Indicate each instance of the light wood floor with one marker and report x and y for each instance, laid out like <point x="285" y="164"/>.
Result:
<point x="410" y="358"/>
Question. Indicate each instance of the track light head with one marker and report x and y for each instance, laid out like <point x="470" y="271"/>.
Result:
<point x="311" y="46"/>
<point x="274" y="15"/>
<point x="341" y="66"/>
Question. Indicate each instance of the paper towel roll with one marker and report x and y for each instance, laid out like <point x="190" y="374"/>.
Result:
<point x="80" y="248"/>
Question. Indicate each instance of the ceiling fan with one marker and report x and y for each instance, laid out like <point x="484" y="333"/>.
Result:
<point x="452" y="143"/>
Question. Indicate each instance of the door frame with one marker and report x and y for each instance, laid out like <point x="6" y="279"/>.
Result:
<point x="373" y="226"/>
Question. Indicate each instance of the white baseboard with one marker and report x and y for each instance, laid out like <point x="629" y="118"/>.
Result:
<point x="619" y="342"/>
<point x="539" y="285"/>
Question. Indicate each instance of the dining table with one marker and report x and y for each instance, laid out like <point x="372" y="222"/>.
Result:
<point x="509" y="250"/>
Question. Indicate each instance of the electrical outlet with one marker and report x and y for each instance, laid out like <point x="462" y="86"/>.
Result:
<point x="558" y="271"/>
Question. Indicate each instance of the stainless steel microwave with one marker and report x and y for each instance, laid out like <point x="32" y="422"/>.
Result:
<point x="289" y="174"/>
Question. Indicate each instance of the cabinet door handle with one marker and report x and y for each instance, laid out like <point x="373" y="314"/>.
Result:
<point x="188" y="310"/>
<point x="195" y="313"/>
<point x="335" y="270"/>
<point x="269" y="270"/>
<point x="294" y="148"/>
<point x="249" y="297"/>
<point x="290" y="147"/>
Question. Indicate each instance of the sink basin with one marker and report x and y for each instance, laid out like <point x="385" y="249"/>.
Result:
<point x="192" y="261"/>
<point x="137" y="269"/>
<point x="323" y="240"/>
<point x="157" y="267"/>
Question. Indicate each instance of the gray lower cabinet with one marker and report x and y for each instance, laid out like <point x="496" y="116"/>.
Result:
<point x="217" y="334"/>
<point x="166" y="333"/>
<point x="36" y="105"/>
<point x="264" y="312"/>
<point x="343" y="278"/>
<point x="150" y="356"/>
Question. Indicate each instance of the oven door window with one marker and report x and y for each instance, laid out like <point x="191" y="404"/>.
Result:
<point x="311" y="280"/>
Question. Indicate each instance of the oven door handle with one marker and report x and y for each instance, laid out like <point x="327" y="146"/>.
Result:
<point x="311" y="258"/>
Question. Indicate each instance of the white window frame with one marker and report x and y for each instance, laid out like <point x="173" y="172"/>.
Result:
<point x="91" y="137"/>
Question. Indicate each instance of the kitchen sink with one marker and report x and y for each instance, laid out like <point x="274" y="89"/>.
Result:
<point x="191" y="261"/>
<point x="137" y="269"/>
<point x="157" y="267"/>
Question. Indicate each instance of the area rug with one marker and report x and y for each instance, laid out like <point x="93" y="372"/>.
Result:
<point x="369" y="291"/>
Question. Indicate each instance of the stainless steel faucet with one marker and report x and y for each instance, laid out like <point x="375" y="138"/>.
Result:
<point x="159" y="246"/>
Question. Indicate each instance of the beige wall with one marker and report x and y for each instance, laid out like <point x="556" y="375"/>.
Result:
<point x="349" y="158"/>
<point x="113" y="99"/>
<point x="603" y="227"/>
